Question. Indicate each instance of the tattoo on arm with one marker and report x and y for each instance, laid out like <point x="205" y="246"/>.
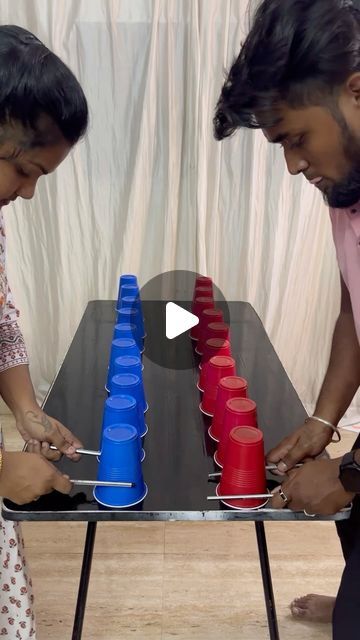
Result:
<point x="41" y="419"/>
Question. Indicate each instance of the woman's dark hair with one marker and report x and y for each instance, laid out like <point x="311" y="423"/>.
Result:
<point x="299" y="52"/>
<point x="33" y="82"/>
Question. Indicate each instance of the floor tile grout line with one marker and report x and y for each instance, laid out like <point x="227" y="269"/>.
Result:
<point x="163" y="587"/>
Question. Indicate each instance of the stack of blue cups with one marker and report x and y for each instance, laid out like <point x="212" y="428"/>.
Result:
<point x="133" y="316"/>
<point x="120" y="347"/>
<point x="123" y="421"/>
<point x="130" y="384"/>
<point x="127" y="279"/>
<point x="124" y="408"/>
<point x="134" y="302"/>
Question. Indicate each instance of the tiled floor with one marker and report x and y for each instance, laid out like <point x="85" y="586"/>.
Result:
<point x="191" y="581"/>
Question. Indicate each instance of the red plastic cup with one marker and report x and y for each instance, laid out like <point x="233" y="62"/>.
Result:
<point x="218" y="330"/>
<point x="218" y="347"/>
<point x="214" y="347"/>
<point x="203" y="281"/>
<point x="238" y="412"/>
<point x="218" y="367"/>
<point x="230" y="387"/>
<point x="198" y="307"/>
<point x="201" y="292"/>
<point x="244" y="468"/>
<point x="208" y="316"/>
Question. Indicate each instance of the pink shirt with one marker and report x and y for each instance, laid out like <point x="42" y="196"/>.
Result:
<point x="346" y="232"/>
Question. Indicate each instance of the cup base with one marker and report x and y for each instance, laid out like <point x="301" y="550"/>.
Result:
<point x="146" y="408"/>
<point x="216" y="460"/>
<point x="197" y="386"/>
<point x="194" y="339"/>
<point x="211" y="415"/>
<point x="200" y="353"/>
<point x="211" y="435"/>
<point x="260" y="506"/>
<point x="121" y="506"/>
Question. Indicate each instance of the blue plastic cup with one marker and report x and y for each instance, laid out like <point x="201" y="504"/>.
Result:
<point x="134" y="302"/>
<point x="129" y="384"/>
<point x="125" y="279"/>
<point x="124" y="408"/>
<point x="130" y="315"/>
<point x="130" y="290"/>
<point x="120" y="462"/>
<point x="129" y="364"/>
<point x="121" y="347"/>
<point x="125" y="330"/>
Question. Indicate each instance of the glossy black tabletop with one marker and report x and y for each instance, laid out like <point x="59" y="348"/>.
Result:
<point x="178" y="449"/>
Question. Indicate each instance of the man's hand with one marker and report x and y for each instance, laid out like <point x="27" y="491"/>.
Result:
<point x="27" y="476"/>
<point x="315" y="488"/>
<point x="34" y="424"/>
<point x="308" y="441"/>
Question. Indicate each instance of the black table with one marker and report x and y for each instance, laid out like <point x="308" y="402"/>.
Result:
<point x="178" y="449"/>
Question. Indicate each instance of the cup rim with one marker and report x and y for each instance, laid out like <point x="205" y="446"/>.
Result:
<point x="132" y="504"/>
<point x="242" y="508"/>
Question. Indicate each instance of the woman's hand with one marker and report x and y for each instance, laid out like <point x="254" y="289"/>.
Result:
<point x="25" y="477"/>
<point x="37" y="427"/>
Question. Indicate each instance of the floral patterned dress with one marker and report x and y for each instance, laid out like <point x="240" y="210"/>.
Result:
<point x="17" y="620"/>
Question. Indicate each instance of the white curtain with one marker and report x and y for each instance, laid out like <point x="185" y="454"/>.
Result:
<point x="150" y="190"/>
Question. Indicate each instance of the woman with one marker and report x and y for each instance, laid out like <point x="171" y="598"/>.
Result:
<point x="43" y="113"/>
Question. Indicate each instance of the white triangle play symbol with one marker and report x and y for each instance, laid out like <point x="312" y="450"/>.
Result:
<point x="178" y="320"/>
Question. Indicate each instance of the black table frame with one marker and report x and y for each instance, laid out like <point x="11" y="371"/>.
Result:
<point x="277" y="402"/>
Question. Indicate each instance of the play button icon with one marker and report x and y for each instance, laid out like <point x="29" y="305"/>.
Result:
<point x="167" y="306"/>
<point x="178" y="320"/>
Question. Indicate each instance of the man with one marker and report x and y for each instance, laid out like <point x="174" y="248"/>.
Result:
<point x="297" y="77"/>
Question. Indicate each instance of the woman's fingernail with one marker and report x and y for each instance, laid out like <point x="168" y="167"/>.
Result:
<point x="282" y="467"/>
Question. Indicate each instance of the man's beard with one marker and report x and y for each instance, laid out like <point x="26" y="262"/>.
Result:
<point x="346" y="193"/>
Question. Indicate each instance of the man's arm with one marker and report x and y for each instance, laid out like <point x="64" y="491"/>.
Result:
<point x="343" y="374"/>
<point x="341" y="382"/>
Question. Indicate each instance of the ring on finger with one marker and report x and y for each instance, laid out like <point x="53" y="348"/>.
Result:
<point x="283" y="496"/>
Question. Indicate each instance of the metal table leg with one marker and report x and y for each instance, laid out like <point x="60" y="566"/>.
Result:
<point x="84" y="581"/>
<point x="266" y="578"/>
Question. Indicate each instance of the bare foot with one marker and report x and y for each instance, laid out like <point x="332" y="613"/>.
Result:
<point x="313" y="608"/>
